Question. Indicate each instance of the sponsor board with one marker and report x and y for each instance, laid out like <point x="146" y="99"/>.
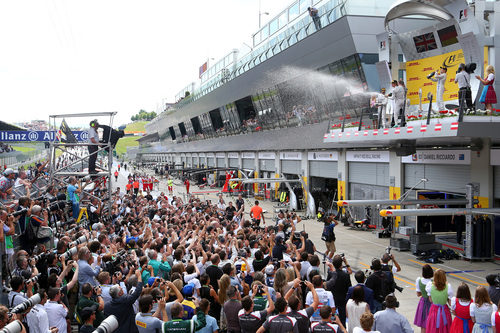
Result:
<point x="295" y="155"/>
<point x="367" y="156"/>
<point x="323" y="156"/>
<point x="38" y="136"/>
<point x="438" y="157"/>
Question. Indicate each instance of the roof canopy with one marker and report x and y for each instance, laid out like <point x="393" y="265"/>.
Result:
<point x="417" y="7"/>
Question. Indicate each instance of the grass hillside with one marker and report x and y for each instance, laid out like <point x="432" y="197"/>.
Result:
<point x="127" y="141"/>
<point x="136" y="126"/>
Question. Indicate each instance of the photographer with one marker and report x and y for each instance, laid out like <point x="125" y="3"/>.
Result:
<point x="464" y="90"/>
<point x="38" y="231"/>
<point x="338" y="282"/>
<point x="251" y="320"/>
<point x="56" y="310"/>
<point x="7" y="181"/>
<point x="15" y="296"/>
<point x="121" y="306"/>
<point x="90" y="297"/>
<point x="494" y="287"/>
<point x="380" y="282"/>
<point x="94" y="208"/>
<point x="302" y="316"/>
<point x="6" y="319"/>
<point x="87" y="274"/>
<point x="73" y="190"/>
<point x="37" y="318"/>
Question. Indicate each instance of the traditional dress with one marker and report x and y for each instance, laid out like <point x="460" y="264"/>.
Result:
<point x="462" y="322"/>
<point x="439" y="319"/>
<point x="482" y="316"/>
<point x="488" y="96"/>
<point x="424" y="304"/>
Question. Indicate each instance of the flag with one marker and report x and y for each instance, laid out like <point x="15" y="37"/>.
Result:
<point x="66" y="135"/>
<point x="448" y="36"/>
<point x="425" y="42"/>
<point x="203" y="68"/>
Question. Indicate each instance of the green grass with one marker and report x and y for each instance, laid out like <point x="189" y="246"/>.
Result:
<point x="127" y="141"/>
<point x="136" y="126"/>
<point x="23" y="149"/>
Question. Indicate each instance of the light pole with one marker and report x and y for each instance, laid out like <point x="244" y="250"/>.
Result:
<point x="260" y="15"/>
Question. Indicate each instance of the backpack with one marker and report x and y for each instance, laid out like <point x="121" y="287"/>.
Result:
<point x="386" y="285"/>
<point x="31" y="232"/>
<point x="328" y="235"/>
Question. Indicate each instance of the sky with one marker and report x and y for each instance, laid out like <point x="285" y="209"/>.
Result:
<point x="69" y="56"/>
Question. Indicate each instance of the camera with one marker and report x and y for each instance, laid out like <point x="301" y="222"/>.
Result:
<point x="33" y="279"/>
<point x="40" y="256"/>
<point x="19" y="212"/>
<point x="108" y="325"/>
<point x="296" y="235"/>
<point x="388" y="250"/>
<point x="69" y="253"/>
<point x="14" y="327"/>
<point x="24" y="306"/>
<point x="260" y="289"/>
<point x="342" y="255"/>
<point x="80" y="240"/>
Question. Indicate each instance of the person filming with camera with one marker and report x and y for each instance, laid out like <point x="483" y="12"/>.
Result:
<point x="464" y="92"/>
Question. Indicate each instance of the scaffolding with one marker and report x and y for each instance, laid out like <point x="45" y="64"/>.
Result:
<point x="60" y="174"/>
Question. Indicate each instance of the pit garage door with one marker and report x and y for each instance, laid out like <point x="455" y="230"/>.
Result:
<point x="248" y="163"/>
<point x="369" y="173"/>
<point x="267" y="165"/>
<point x="323" y="169"/>
<point x="291" y="167"/>
<point x="210" y="162"/>
<point x="440" y="177"/>
<point x="221" y="162"/>
<point x="233" y="162"/>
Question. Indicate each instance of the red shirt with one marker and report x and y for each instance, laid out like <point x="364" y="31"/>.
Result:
<point x="256" y="211"/>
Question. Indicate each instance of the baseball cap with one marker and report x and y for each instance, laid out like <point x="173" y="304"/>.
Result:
<point x="8" y="171"/>
<point x="269" y="269"/>
<point x="86" y="312"/>
<point x="151" y="280"/>
<point x="188" y="289"/>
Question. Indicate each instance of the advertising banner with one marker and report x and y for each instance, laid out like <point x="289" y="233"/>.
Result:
<point x="367" y="156"/>
<point x="38" y="136"/>
<point x="438" y="157"/>
<point x="417" y="71"/>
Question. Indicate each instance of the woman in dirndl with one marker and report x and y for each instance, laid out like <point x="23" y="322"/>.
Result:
<point x="440" y="292"/>
<point x="488" y="96"/>
<point x="460" y="307"/>
<point x="424" y="303"/>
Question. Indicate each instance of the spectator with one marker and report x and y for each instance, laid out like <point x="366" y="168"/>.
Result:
<point x="325" y="324"/>
<point x="356" y="307"/>
<point x="359" y="276"/>
<point x="74" y="189"/>
<point x="302" y="316"/>
<point x="6" y="183"/>
<point x="251" y="320"/>
<point x="366" y="321"/>
<point x="178" y="325"/>
<point x="494" y="287"/>
<point x="144" y="321"/>
<point x="389" y="320"/>
<point x="281" y="323"/>
<point x="325" y="297"/>
<point x="121" y="306"/>
<point x="313" y="12"/>
<point x="211" y="323"/>
<point x="231" y="309"/>
<point x="88" y="316"/>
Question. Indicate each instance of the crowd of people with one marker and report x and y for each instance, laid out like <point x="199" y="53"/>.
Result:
<point x="164" y="264"/>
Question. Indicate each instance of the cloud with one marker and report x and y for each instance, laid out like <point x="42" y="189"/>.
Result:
<point x="90" y="56"/>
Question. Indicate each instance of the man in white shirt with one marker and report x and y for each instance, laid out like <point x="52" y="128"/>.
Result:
<point x="399" y="99"/>
<point x="93" y="140"/>
<point x="325" y="298"/>
<point x="56" y="311"/>
<point x="37" y="319"/>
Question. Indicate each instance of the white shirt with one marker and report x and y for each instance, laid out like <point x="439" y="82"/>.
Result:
<point x="93" y="134"/>
<point x="37" y="319"/>
<point x="473" y="307"/>
<point x="428" y="288"/>
<point x="417" y="283"/>
<point x="57" y="315"/>
<point x="325" y="298"/>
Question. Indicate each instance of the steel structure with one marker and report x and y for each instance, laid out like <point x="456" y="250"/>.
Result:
<point x="60" y="174"/>
<point x="404" y="202"/>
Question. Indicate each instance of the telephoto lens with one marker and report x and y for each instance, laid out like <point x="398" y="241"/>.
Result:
<point x="108" y="325"/>
<point x="32" y="301"/>
<point x="80" y="240"/>
<point x="70" y="253"/>
<point x="14" y="327"/>
<point x="34" y="279"/>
